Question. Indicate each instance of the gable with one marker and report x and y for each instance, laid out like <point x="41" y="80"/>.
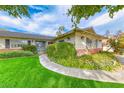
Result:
<point x="90" y="30"/>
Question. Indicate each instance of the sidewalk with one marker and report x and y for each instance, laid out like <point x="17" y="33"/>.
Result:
<point x="99" y="75"/>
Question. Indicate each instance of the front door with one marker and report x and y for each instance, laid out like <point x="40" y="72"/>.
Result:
<point x="7" y="43"/>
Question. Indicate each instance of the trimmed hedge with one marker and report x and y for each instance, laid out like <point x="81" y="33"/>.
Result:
<point x="31" y="48"/>
<point x="16" y="54"/>
<point x="61" y="50"/>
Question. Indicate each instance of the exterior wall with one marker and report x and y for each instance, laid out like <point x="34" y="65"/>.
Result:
<point x="32" y="42"/>
<point x="106" y="46"/>
<point x="80" y="43"/>
<point x="2" y="43"/>
<point x="83" y="48"/>
<point x="70" y="39"/>
<point x="15" y="43"/>
<point x="99" y="44"/>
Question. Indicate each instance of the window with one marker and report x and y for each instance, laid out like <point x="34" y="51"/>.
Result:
<point x="29" y="42"/>
<point x="50" y="43"/>
<point x="17" y="43"/>
<point x="68" y="38"/>
<point x="82" y="37"/>
<point x="61" y="40"/>
<point x="89" y="42"/>
<point x="96" y="43"/>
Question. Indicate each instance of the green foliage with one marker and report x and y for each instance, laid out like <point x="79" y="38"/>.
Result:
<point x="85" y="11"/>
<point x="16" y="54"/>
<point x="121" y="40"/>
<point x="31" y="48"/>
<point x="64" y="54"/>
<point x="61" y="50"/>
<point x="115" y="44"/>
<point x="27" y="72"/>
<point x="105" y="61"/>
<point x="16" y="10"/>
<point x="60" y="30"/>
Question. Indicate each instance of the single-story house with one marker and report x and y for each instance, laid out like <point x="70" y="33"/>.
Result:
<point x="14" y="40"/>
<point x="85" y="40"/>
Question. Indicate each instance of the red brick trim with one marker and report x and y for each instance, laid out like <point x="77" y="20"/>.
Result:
<point x="90" y="51"/>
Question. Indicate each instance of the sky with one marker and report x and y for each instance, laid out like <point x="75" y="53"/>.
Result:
<point x="46" y="19"/>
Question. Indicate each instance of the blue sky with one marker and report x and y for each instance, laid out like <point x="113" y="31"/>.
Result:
<point x="46" y="19"/>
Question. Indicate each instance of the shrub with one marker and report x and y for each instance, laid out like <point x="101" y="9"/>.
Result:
<point x="31" y="48"/>
<point x="16" y="54"/>
<point x="61" y="50"/>
<point x="65" y="54"/>
<point x="86" y="58"/>
<point x="103" y="61"/>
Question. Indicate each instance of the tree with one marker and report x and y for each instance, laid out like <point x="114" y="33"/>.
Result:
<point x="108" y="34"/>
<point x="16" y="10"/>
<point x="121" y="40"/>
<point x="84" y="11"/>
<point x="115" y="44"/>
<point x="60" y="30"/>
<point x="118" y="33"/>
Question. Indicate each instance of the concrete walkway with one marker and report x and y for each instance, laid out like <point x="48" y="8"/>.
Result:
<point x="99" y="75"/>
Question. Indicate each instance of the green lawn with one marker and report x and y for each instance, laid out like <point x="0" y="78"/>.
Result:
<point x="28" y="72"/>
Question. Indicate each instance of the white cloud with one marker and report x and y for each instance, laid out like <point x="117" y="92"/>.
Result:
<point x="35" y="7"/>
<point x="48" y="31"/>
<point x="30" y="25"/>
<point x="104" y="19"/>
<point x="42" y="23"/>
<point x="43" y="17"/>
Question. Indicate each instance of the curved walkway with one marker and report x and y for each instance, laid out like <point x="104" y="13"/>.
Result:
<point x="99" y="75"/>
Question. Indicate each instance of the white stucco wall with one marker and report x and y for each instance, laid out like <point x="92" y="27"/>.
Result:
<point x="99" y="44"/>
<point x="80" y="43"/>
<point x="2" y="43"/>
<point x="33" y="42"/>
<point x="70" y="40"/>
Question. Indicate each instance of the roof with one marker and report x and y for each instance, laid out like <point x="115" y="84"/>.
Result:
<point x="5" y="34"/>
<point x="89" y="30"/>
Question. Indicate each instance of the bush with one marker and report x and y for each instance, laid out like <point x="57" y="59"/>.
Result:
<point x="103" y="61"/>
<point x="86" y="58"/>
<point x="61" y="50"/>
<point x="31" y="48"/>
<point x="65" y="54"/>
<point x="16" y="54"/>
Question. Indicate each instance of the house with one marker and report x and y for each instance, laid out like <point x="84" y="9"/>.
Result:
<point x="14" y="40"/>
<point x="85" y="40"/>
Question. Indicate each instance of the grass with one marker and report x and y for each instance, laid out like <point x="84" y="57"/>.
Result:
<point x="27" y="72"/>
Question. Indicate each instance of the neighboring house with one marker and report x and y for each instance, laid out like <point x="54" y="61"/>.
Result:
<point x="85" y="40"/>
<point x="14" y="40"/>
